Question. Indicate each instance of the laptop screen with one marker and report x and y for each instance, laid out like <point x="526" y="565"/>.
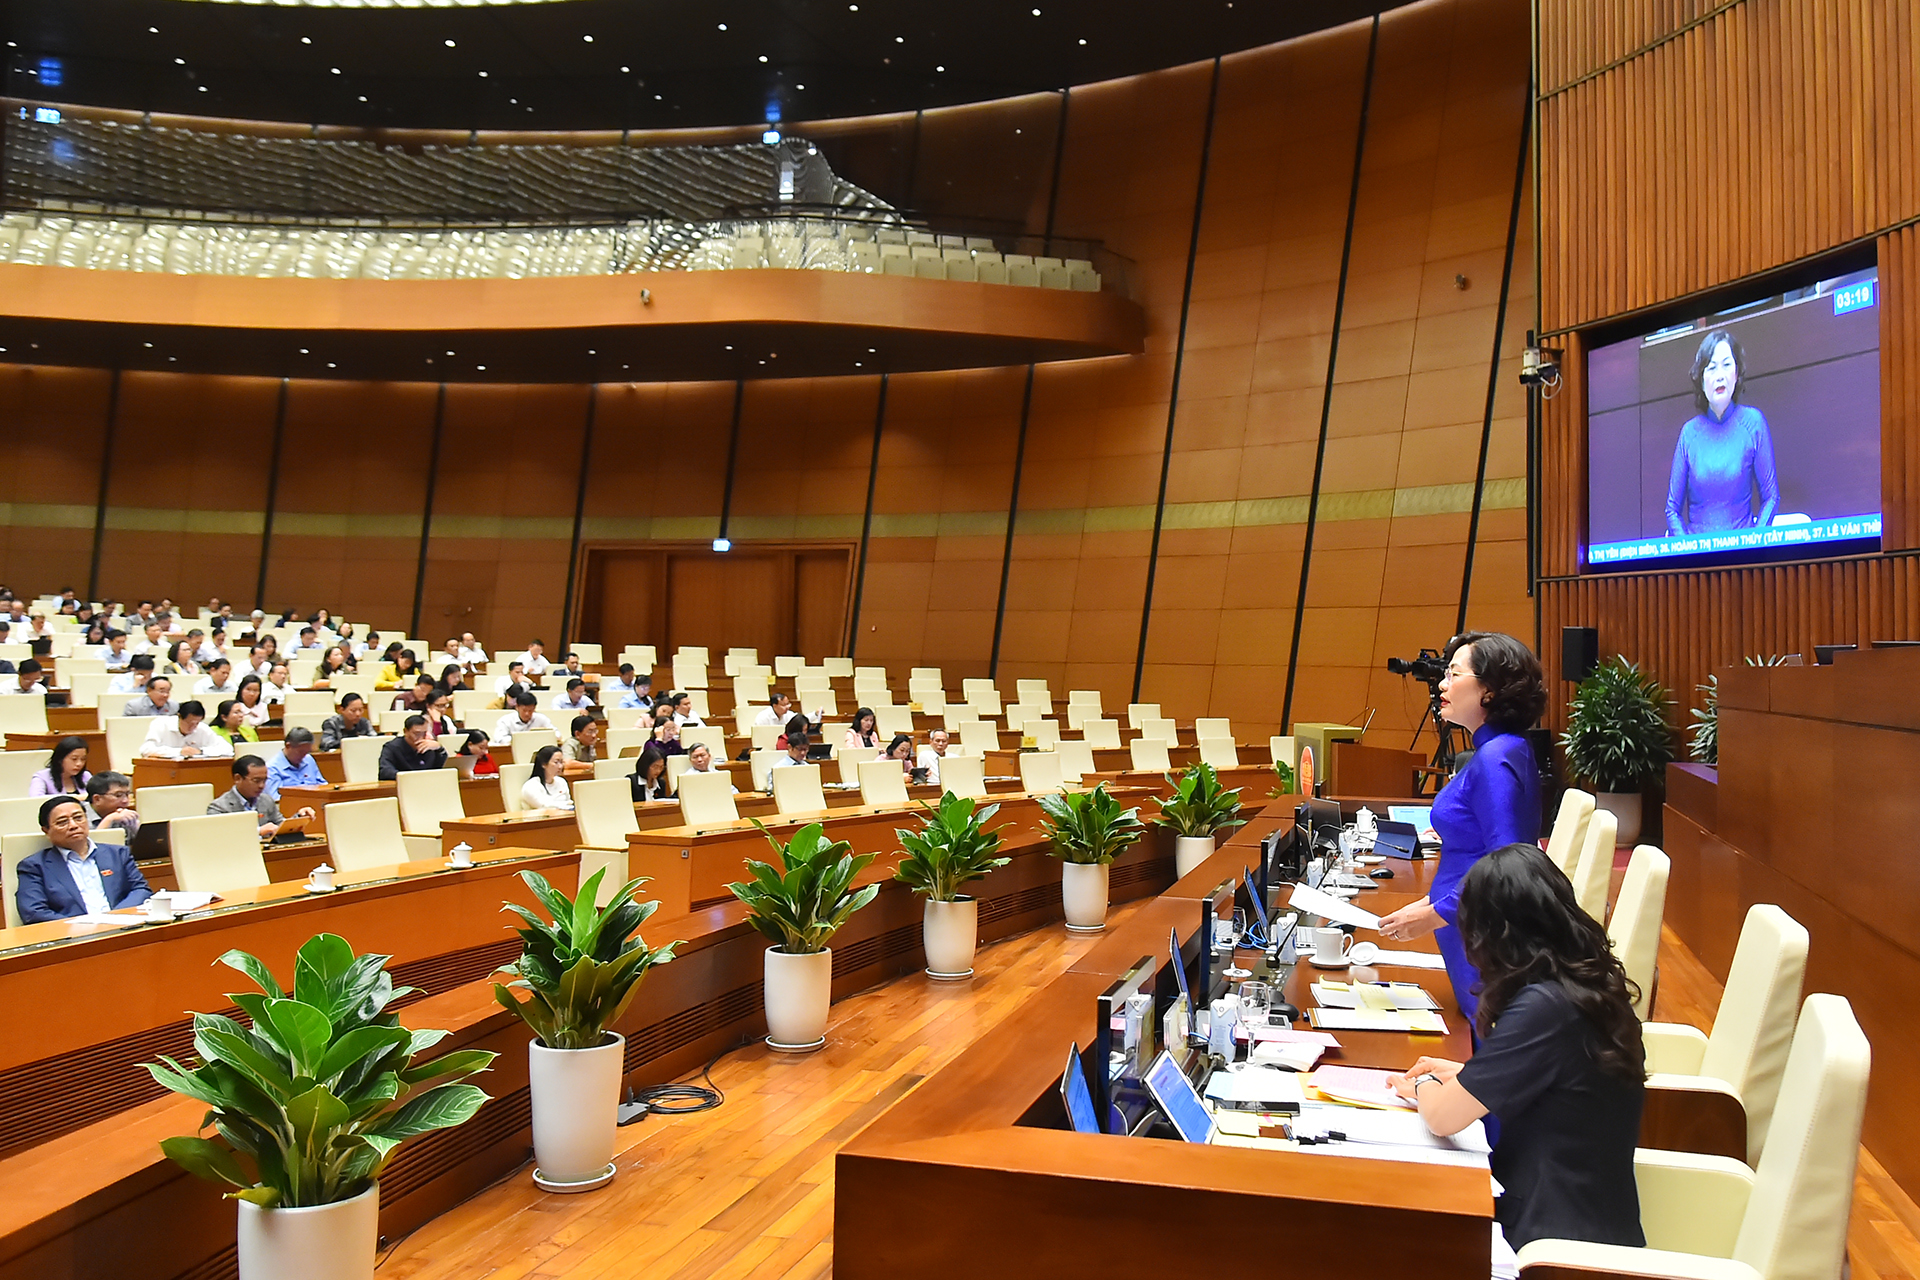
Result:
<point x="1076" y="1095"/>
<point x="1177" y="1097"/>
<point x="1180" y="973"/>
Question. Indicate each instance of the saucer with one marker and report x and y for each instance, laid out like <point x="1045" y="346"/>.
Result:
<point x="1318" y="963"/>
<point x="1369" y="859"/>
<point x="314" y="888"/>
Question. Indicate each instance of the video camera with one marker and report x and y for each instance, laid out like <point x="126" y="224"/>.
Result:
<point x="1429" y="666"/>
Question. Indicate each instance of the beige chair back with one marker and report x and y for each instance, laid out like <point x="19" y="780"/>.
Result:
<point x="1076" y="759"/>
<point x="760" y="765"/>
<point x="308" y="701"/>
<point x="1212" y="727"/>
<point x="604" y="809"/>
<point x="164" y="804"/>
<point x="1569" y="829"/>
<point x="1162" y="728"/>
<point x="676" y="767"/>
<point x="16" y="771"/>
<point x="706" y="799"/>
<point x="764" y="736"/>
<point x="1753" y="1029"/>
<point x="1633" y="931"/>
<point x="1019" y="713"/>
<point x="980" y="735"/>
<point x="838" y="668"/>
<point x="393" y="721"/>
<point x="1149" y="755"/>
<point x="1034" y="692"/>
<point x="528" y="741"/>
<point x="615" y="767"/>
<point x="23" y="713"/>
<point x="217" y="852"/>
<point x="787" y="665"/>
<point x="1101" y="734"/>
<point x="1220" y="753"/>
<point x="619" y="740"/>
<point x="850" y="759"/>
<point x="21" y="816"/>
<point x="796" y="789"/>
<point x="1040" y="772"/>
<point x="364" y="834"/>
<point x="1084" y="698"/>
<point x="125" y="734"/>
<point x="689" y="673"/>
<point x="882" y="782"/>
<point x="1138" y="712"/>
<point x="963" y="775"/>
<point x="513" y="777"/>
<point x="1592" y="875"/>
<point x="890" y="720"/>
<point x="86" y="688"/>
<point x="1045" y="733"/>
<point x="16" y="847"/>
<point x="360" y="757"/>
<point x="1795" y="1226"/>
<point x="428" y="797"/>
<point x="713" y="735"/>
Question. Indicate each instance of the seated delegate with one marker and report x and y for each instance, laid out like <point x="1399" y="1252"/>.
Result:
<point x="249" y="795"/>
<point x="184" y="736"/>
<point x="522" y="718"/>
<point x="295" y="765"/>
<point x="1560" y="1063"/>
<point x="74" y="876"/>
<point x="413" y="750"/>
<point x="352" y="722"/>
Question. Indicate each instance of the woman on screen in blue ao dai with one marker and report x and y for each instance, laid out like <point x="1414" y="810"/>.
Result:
<point x="1494" y="690"/>
<point x="1725" y="451"/>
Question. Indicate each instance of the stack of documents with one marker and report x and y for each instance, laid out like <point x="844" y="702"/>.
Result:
<point x="1372" y="995"/>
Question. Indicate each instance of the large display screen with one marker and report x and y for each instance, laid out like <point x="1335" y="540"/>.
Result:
<point x="1750" y="434"/>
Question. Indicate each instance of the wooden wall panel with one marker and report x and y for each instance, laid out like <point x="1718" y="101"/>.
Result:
<point x="53" y="427"/>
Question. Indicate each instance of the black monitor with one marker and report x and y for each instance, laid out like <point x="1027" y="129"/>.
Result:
<point x="1823" y="653"/>
<point x="1217" y="905"/>
<point x="1111" y="1008"/>
<point x="1321" y="817"/>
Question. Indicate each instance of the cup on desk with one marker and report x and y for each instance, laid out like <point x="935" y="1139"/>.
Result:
<point x="160" y="908"/>
<point x="1329" y="944"/>
<point x="461" y="854"/>
<point x="320" y="878"/>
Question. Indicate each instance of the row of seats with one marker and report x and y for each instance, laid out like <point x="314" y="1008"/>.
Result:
<point x="182" y="247"/>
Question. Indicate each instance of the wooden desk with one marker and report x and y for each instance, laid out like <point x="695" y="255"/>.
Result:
<point x="96" y="739"/>
<point x="537" y="830"/>
<point x="65" y="720"/>
<point x="477" y="796"/>
<point x="216" y="771"/>
<point x="986" y="1131"/>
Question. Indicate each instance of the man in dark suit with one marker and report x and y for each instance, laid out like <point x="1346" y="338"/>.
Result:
<point x="75" y="876"/>
<point x="413" y="750"/>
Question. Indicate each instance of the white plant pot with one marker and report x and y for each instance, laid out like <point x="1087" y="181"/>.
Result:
<point x="1625" y="808"/>
<point x="576" y="1110"/>
<point x="1189" y="852"/>
<point x="799" y="991"/>
<point x="950" y="931"/>
<point x="324" y="1242"/>
<point x="1083" y="892"/>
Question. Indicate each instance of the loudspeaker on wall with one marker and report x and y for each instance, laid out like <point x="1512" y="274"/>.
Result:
<point x="1579" y="652"/>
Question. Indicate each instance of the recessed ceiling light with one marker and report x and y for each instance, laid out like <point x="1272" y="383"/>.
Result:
<point x="363" y="97"/>
<point x="939" y="68"/>
<point x="625" y="70"/>
<point x="148" y="345"/>
<point x="303" y="350"/>
<point x="306" y="39"/>
<point x="179" y="62"/>
<point x="856" y="364"/>
<point x="1036" y="13"/>
<point x="450" y="44"/>
<point x="336" y="71"/>
<point x="482" y="368"/>
<point x="1083" y="39"/>
<point x="723" y="26"/>
<point x="729" y="346"/>
<point x="588" y="39"/>
<point x="800" y="86"/>
<point x="899" y="39"/>
<point x="483" y="75"/>
<point x="763" y="57"/>
<point x="203" y="89"/>
<point x="332" y="365"/>
<point x="449" y="353"/>
<point x="656" y="97"/>
<point x="153" y="30"/>
<point x="592" y="352"/>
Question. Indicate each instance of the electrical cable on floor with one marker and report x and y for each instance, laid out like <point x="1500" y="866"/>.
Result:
<point x="681" y="1099"/>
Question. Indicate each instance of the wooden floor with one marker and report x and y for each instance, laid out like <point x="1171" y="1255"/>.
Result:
<point x="747" y="1189"/>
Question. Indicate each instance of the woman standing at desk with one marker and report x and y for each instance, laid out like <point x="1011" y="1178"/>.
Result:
<point x="1493" y="689"/>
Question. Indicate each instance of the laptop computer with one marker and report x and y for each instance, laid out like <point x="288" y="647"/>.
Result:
<point x="151" y="842"/>
<point x="819" y="751"/>
<point x="1396" y="839"/>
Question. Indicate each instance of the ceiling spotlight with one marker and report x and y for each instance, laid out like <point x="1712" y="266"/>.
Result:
<point x="899" y="39"/>
<point x="723" y="544"/>
<point x="1083" y="39"/>
<point x="450" y="44"/>
<point x="1036" y="13"/>
<point x="588" y="39"/>
<point x="363" y="97"/>
<point x="656" y="97"/>
<point x="154" y="30"/>
<point x="148" y="345"/>
<point x="723" y="26"/>
<point x="853" y="8"/>
<point x="483" y="75"/>
<point x="449" y="353"/>
<point x="482" y="368"/>
<point x="625" y="70"/>
<point x="800" y="87"/>
<point x="336" y="71"/>
<point x="303" y="350"/>
<point x="179" y="62"/>
<point x="203" y="89"/>
<point x="763" y="57"/>
<point x="332" y="365"/>
<point x="306" y="39"/>
<point x="729" y="346"/>
<point x="939" y="68"/>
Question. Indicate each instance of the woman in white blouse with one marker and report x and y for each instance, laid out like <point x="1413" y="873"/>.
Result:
<point x="546" y="789"/>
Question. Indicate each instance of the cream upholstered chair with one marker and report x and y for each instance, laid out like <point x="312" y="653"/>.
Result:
<point x="1040" y="772"/>
<point x="16" y="771"/>
<point x="1078" y="713"/>
<point x="1712" y="1218"/>
<point x="1034" y="692"/>
<point x="87" y="687"/>
<point x="1212" y="727"/>
<point x="1045" y="733"/>
<point x="706" y="799"/>
<point x="1280" y="748"/>
<point x="164" y="804"/>
<point x="971" y="685"/>
<point x="616" y="767"/>
<point x="1149" y="755"/>
<point x="1594" y="873"/>
<point x="23" y="713"/>
<point x="217" y="853"/>
<point x="689" y="673"/>
<point x="1570" y="830"/>
<point x="513" y="777"/>
<point x="980" y="735"/>
<point x="394" y="720"/>
<point x="985" y="704"/>
<point x="1746" y="1053"/>
<point x="699" y="653"/>
<point x="15" y="847"/>
<point x="890" y="720"/>
<point x="589" y="653"/>
<point x="850" y="759"/>
<point x="363" y="834"/>
<point x="1633" y="931"/>
<point x="764" y="736"/>
<point x="428" y="797"/>
<point x="749" y="691"/>
<point x="1084" y="698"/>
<point x="677" y="768"/>
<point x="882" y="782"/>
<point x="1018" y="713"/>
<point x="838" y="668"/>
<point x="760" y="762"/>
<point x="964" y="776"/>
<point x="603" y="808"/>
<point x="619" y="740"/>
<point x="787" y="665"/>
<point x="714" y="736"/>
<point x="1160" y="727"/>
<point x="125" y="734"/>
<point x="796" y="789"/>
<point x="1076" y="758"/>
<point x="1138" y="712"/>
<point x="1220" y="753"/>
<point x="360" y="757"/>
<point x="528" y="741"/>
<point x="1101" y="734"/>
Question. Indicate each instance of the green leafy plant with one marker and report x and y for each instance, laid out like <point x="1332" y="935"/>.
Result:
<point x="583" y="968"/>
<point x="1088" y="826"/>
<point x="1283" y="771"/>
<point x="952" y="847"/>
<point x="1199" y="805"/>
<point x="800" y="905"/>
<point x="1617" y="733"/>
<point x="1704" y="745"/>
<point x="315" y="1095"/>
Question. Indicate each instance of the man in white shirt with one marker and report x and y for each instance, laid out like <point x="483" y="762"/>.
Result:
<point x="930" y="755"/>
<point x="117" y="655"/>
<point x="185" y="736"/>
<point x="26" y="680"/>
<point x="471" y="654"/>
<point x="516" y="675"/>
<point x="535" y="659"/>
<point x="453" y="655"/>
<point x="218" y="681"/>
<point x="683" y="715"/>
<point x="153" y="638"/>
<point x="522" y="718"/>
<point x="777" y="712"/>
<point x="700" y="760"/>
<point x="575" y="698"/>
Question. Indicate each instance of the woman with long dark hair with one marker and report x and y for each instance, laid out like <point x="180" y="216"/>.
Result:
<point x="1494" y="690"/>
<point x="649" y="780"/>
<point x="1560" y="1062"/>
<point x="865" y="729"/>
<point x="66" y="772"/>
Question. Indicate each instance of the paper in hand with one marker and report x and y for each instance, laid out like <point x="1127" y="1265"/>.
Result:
<point x="1325" y="905"/>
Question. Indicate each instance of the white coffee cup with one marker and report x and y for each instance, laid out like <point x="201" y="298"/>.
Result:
<point x="160" y="908"/>
<point x="461" y="854"/>
<point x="321" y="877"/>
<point x="1330" y="944"/>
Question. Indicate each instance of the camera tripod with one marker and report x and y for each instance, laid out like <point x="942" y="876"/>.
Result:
<point x="1444" y="753"/>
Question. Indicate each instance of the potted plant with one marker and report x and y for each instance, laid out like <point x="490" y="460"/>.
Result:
<point x="1087" y="830"/>
<point x="952" y="847"/>
<point x="798" y="907"/>
<point x="581" y="970"/>
<point x="1198" y="810"/>
<point x="310" y="1096"/>
<point x="1618" y="738"/>
<point x="1284" y="772"/>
